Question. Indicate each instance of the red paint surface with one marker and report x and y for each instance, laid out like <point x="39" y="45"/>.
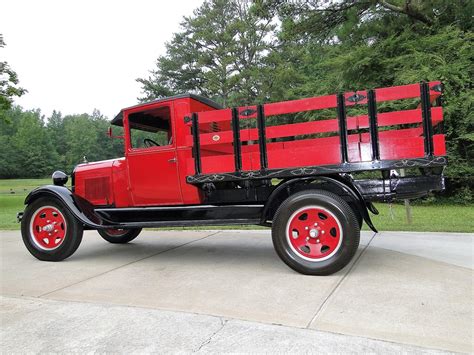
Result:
<point x="314" y="233"/>
<point x="48" y="228"/>
<point x="157" y="176"/>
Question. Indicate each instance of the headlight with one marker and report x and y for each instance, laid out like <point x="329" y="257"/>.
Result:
<point x="59" y="178"/>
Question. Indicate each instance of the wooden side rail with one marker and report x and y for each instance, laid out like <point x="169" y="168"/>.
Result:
<point x="233" y="134"/>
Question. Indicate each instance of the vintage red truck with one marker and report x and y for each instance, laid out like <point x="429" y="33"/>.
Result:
<point x="189" y="162"/>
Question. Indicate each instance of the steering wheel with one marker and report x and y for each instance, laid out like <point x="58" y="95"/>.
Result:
<point x="150" y="143"/>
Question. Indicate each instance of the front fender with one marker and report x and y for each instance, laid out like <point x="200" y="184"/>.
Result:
<point x="79" y="207"/>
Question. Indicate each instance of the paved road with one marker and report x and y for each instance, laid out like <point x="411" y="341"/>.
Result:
<point x="226" y="291"/>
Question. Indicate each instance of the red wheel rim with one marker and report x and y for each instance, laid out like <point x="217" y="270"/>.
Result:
<point x="116" y="232"/>
<point x="314" y="233"/>
<point x="48" y="228"/>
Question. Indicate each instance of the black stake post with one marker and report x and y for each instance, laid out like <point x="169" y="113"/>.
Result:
<point x="426" y="114"/>
<point x="373" y="127"/>
<point x="237" y="147"/>
<point x="341" y="115"/>
<point x="262" y="137"/>
<point x="196" y="144"/>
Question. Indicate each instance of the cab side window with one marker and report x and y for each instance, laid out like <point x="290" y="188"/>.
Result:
<point x="151" y="128"/>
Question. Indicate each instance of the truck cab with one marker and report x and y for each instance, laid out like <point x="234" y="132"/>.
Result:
<point x="153" y="169"/>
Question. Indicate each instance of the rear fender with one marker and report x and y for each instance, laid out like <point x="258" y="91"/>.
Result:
<point x="79" y="207"/>
<point x="284" y="190"/>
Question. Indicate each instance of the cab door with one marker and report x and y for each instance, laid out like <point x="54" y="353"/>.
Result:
<point x="151" y="157"/>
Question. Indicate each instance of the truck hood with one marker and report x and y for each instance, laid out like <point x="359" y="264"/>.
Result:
<point x="96" y="165"/>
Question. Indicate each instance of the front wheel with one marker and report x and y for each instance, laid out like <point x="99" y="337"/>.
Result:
<point x="315" y="232"/>
<point x="119" y="236"/>
<point x="50" y="232"/>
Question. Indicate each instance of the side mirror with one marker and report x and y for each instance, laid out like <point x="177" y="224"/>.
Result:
<point x="109" y="133"/>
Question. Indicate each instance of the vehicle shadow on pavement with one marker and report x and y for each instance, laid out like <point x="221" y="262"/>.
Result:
<point x="222" y="251"/>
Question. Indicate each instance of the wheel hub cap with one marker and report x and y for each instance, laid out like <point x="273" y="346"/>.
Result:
<point x="314" y="233"/>
<point x="48" y="228"/>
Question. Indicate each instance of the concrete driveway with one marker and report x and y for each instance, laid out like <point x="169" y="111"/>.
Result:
<point x="227" y="291"/>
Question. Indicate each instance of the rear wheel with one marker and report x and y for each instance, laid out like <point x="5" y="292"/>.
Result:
<point x="50" y="232"/>
<point x="315" y="232"/>
<point x="119" y="236"/>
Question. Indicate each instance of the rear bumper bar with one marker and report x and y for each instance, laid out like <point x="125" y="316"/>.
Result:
<point x="397" y="187"/>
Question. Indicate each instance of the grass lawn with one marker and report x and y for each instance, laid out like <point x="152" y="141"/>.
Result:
<point x="426" y="218"/>
<point x="21" y="186"/>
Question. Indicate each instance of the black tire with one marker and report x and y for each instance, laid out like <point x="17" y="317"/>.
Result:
<point x="119" y="236"/>
<point x="71" y="230"/>
<point x="336" y="211"/>
<point x="357" y="214"/>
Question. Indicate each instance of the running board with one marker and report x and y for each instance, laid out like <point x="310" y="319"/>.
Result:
<point x="176" y="216"/>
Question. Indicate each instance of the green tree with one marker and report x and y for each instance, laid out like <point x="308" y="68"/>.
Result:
<point x="220" y="53"/>
<point x="33" y="146"/>
<point x="85" y="138"/>
<point x="8" y="85"/>
<point x="32" y="153"/>
<point x="366" y="44"/>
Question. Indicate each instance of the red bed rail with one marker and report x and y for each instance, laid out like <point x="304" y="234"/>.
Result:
<point x="220" y="143"/>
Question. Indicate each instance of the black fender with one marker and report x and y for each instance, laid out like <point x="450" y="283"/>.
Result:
<point x="79" y="207"/>
<point x="344" y="183"/>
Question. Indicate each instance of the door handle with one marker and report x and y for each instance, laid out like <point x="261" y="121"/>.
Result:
<point x="172" y="160"/>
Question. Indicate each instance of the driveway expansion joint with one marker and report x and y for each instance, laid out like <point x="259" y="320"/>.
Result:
<point x="338" y="284"/>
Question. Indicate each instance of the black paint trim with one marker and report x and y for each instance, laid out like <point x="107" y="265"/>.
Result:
<point x="427" y="123"/>
<point x="247" y="112"/>
<point x="427" y="162"/>
<point x="346" y="185"/>
<point x="181" y="215"/>
<point x="262" y="137"/>
<point x="341" y="115"/>
<point x="373" y="125"/>
<point x="196" y="144"/>
<point x="118" y="120"/>
<point x="82" y="209"/>
<point x="397" y="187"/>
<point x="237" y="143"/>
<point x="356" y="98"/>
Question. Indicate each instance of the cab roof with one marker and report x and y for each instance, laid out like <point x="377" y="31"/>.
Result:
<point x="118" y="120"/>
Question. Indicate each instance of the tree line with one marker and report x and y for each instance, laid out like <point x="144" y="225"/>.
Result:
<point x="34" y="146"/>
<point x="240" y="52"/>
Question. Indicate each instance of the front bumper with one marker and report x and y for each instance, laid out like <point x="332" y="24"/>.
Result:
<point x="19" y="217"/>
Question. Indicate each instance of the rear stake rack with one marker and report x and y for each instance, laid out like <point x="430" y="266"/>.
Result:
<point x="340" y="102"/>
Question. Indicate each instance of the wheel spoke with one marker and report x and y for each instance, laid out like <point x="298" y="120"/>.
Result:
<point x="330" y="241"/>
<point x="298" y="226"/>
<point x="300" y="242"/>
<point x="316" y="250"/>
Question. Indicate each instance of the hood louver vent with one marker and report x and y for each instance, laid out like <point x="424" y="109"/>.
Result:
<point x="97" y="189"/>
